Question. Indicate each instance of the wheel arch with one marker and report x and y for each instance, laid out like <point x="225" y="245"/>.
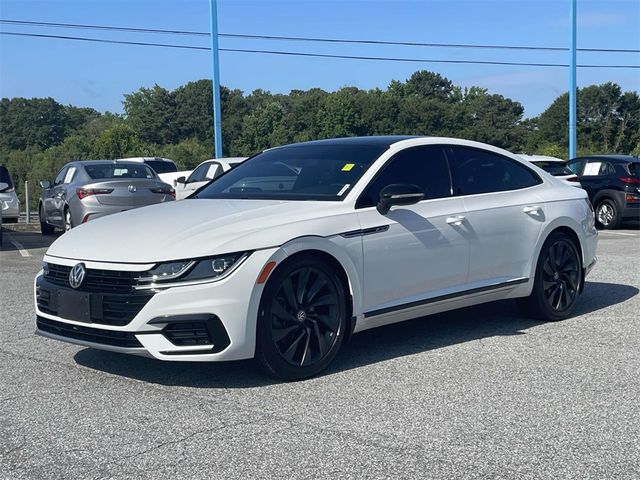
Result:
<point x="571" y="233"/>
<point x="327" y="251"/>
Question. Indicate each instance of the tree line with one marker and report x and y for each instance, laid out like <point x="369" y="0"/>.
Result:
<point x="39" y="135"/>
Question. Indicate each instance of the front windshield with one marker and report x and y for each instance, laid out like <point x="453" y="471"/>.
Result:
<point x="296" y="172"/>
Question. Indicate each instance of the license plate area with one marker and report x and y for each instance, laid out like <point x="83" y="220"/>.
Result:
<point x="74" y="305"/>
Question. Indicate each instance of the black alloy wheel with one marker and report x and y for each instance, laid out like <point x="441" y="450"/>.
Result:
<point x="557" y="280"/>
<point x="561" y="275"/>
<point x="302" y="321"/>
<point x="607" y="215"/>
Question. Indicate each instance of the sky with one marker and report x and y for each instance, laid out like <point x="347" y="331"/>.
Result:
<point x="99" y="75"/>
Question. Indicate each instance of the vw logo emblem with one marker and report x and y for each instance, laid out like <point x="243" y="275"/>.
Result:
<point x="132" y="188"/>
<point x="76" y="275"/>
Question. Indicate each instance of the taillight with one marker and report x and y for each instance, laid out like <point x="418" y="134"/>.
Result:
<point x="164" y="190"/>
<point x="632" y="198"/>
<point x="87" y="192"/>
<point x="629" y="180"/>
<point x="573" y="179"/>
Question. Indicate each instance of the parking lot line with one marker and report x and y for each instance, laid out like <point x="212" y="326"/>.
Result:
<point x="23" y="251"/>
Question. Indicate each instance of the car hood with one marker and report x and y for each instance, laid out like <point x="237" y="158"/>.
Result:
<point x="198" y="228"/>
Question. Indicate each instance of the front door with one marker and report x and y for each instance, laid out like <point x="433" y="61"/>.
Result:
<point x="413" y="252"/>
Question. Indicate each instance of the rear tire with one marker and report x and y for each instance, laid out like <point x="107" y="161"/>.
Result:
<point x="45" y="228"/>
<point x="557" y="280"/>
<point x="608" y="214"/>
<point x="302" y="319"/>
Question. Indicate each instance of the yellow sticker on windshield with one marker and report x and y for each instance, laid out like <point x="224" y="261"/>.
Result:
<point x="348" y="166"/>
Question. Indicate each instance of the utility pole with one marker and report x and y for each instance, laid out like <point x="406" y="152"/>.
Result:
<point x="215" y="77"/>
<point x="572" y="80"/>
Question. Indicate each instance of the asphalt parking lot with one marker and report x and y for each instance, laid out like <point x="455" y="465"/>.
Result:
<point x="478" y="393"/>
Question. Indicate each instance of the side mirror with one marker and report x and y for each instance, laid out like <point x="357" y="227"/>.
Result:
<point x="182" y="179"/>
<point x="3" y="186"/>
<point x="45" y="184"/>
<point x="398" y="194"/>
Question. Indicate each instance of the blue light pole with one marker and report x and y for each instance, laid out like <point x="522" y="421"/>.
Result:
<point x="572" y="80"/>
<point x="215" y="77"/>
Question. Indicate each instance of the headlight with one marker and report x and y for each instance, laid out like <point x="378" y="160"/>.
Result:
<point x="190" y="270"/>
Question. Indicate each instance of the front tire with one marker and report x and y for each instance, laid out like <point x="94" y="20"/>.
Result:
<point x="68" y="223"/>
<point x="557" y="280"/>
<point x="607" y="214"/>
<point x="302" y="319"/>
<point x="45" y="228"/>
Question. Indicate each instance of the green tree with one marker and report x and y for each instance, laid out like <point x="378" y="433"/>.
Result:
<point x="38" y="122"/>
<point x="151" y="113"/>
<point x="120" y="141"/>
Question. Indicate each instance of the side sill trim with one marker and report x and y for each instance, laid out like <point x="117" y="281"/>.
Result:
<point x="449" y="296"/>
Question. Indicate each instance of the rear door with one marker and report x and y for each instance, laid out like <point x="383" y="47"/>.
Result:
<point x="413" y="252"/>
<point x="504" y="214"/>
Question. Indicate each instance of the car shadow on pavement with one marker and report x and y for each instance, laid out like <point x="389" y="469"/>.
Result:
<point x="377" y="345"/>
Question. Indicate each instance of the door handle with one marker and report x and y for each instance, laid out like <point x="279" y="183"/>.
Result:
<point x="457" y="220"/>
<point x="533" y="209"/>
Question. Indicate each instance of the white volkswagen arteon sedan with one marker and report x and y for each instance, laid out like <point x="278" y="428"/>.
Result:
<point x="288" y="254"/>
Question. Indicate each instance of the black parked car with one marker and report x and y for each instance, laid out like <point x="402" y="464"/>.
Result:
<point x="613" y="185"/>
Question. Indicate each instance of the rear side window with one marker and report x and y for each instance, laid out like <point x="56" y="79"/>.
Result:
<point x="554" y="168"/>
<point x="4" y="176"/>
<point x="426" y="167"/>
<point x="478" y="171"/>
<point x="598" y="168"/>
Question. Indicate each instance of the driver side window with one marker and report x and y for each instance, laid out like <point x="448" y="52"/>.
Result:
<point x="199" y="174"/>
<point x="425" y="166"/>
<point x="60" y="177"/>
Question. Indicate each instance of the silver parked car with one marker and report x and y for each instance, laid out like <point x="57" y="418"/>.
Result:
<point x="85" y="190"/>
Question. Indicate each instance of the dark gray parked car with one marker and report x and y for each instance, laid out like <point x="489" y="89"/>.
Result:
<point x="85" y="190"/>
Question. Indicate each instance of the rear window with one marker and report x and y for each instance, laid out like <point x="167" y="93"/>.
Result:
<point x="161" y="166"/>
<point x="4" y="176"/>
<point x="634" y="169"/>
<point x="556" y="169"/>
<point x="119" y="170"/>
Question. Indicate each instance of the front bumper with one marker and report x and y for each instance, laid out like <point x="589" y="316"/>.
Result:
<point x="214" y="321"/>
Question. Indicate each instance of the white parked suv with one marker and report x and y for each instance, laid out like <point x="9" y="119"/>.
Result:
<point x="166" y="168"/>
<point x="287" y="255"/>
<point x="203" y="174"/>
<point x="9" y="202"/>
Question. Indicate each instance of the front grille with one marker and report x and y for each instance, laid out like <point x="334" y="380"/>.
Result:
<point x="187" y="334"/>
<point x="112" y="299"/>
<point x="87" y="334"/>
<point x="102" y="281"/>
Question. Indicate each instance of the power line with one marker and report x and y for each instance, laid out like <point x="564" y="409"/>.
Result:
<point x="319" y="55"/>
<point x="312" y="39"/>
